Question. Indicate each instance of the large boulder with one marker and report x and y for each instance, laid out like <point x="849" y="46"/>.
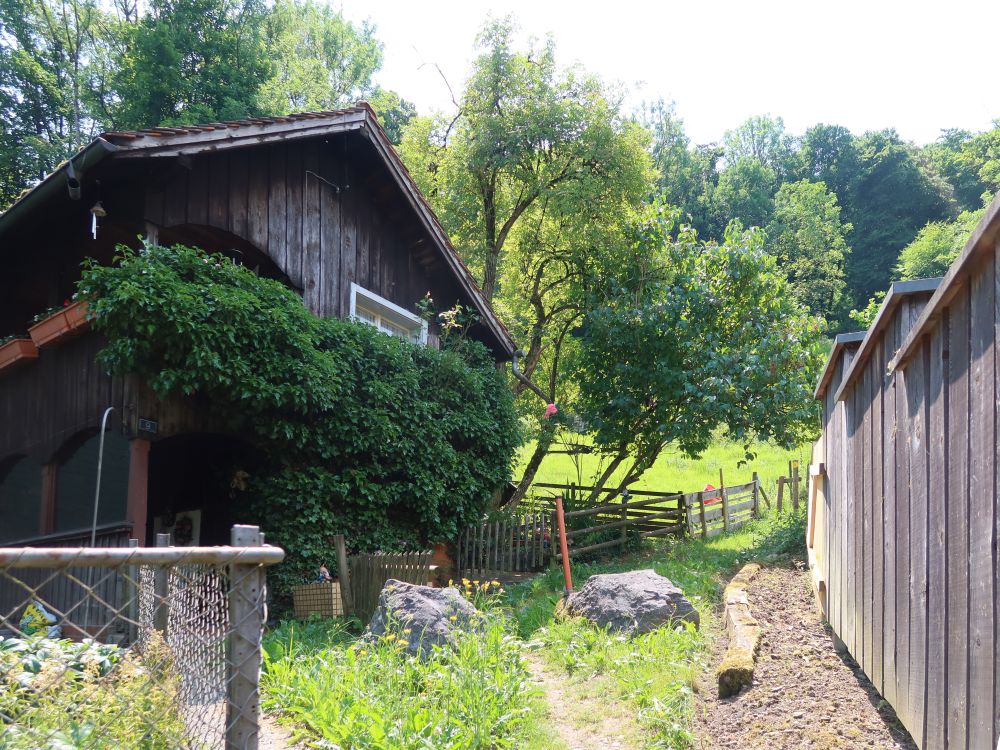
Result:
<point x="635" y="602"/>
<point x="422" y="616"/>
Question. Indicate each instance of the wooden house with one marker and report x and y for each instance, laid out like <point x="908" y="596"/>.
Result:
<point x="320" y="201"/>
<point x="905" y="505"/>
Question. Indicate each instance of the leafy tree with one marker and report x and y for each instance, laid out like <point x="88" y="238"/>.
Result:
<point x="808" y="238"/>
<point x="866" y="316"/>
<point x="319" y="59"/>
<point x="687" y="176"/>
<point x="394" y="112"/>
<point x="746" y="192"/>
<point x="952" y="155"/>
<point x="762" y="138"/>
<point x="48" y="55"/>
<point x="829" y="154"/>
<point x="982" y="154"/>
<point x="896" y="194"/>
<point x="527" y="131"/>
<point x="191" y="61"/>
<point x="708" y="336"/>
<point x="531" y="179"/>
<point x="936" y="246"/>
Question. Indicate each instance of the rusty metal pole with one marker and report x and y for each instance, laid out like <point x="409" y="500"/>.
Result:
<point x="563" y="546"/>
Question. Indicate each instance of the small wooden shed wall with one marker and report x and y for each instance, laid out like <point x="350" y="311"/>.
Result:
<point x="909" y="554"/>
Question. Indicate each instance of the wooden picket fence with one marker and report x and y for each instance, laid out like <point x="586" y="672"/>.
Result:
<point x="369" y="572"/>
<point x="518" y="545"/>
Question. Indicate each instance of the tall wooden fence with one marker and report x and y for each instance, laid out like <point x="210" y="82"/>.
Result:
<point x="369" y="572"/>
<point x="906" y="521"/>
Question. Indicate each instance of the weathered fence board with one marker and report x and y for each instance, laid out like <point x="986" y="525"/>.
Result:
<point x="958" y="519"/>
<point x="369" y="572"/>
<point x="516" y="545"/>
<point x="911" y="500"/>
<point x="982" y="442"/>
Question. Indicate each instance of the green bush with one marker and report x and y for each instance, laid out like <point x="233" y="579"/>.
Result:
<point x="392" y="444"/>
<point x="58" y="694"/>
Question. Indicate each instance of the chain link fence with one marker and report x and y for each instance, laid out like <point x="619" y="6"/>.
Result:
<point x="133" y="647"/>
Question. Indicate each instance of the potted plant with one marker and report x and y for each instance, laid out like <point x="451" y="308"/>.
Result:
<point x="16" y="350"/>
<point x="59" y="323"/>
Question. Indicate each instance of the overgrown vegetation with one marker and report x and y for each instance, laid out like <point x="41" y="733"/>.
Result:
<point x="364" y="434"/>
<point x="361" y="694"/>
<point x="370" y="695"/>
<point x="63" y="694"/>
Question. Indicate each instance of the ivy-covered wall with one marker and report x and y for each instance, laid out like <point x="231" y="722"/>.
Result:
<point x="390" y="443"/>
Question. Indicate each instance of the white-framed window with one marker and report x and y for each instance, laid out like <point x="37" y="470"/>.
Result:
<point x="368" y="307"/>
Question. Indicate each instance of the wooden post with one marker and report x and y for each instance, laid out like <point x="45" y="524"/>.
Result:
<point x="47" y="513"/>
<point x="344" y="574"/>
<point x="725" y="506"/>
<point x="795" y="485"/>
<point x="701" y="510"/>
<point x="756" y="494"/>
<point x="624" y="540"/>
<point x="246" y="623"/>
<point x="161" y="607"/>
<point x="563" y="546"/>
<point x="138" y="486"/>
<point x="781" y="490"/>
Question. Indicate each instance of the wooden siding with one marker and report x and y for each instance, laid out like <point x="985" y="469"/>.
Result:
<point x="911" y="515"/>
<point x="284" y="200"/>
<point x="64" y="393"/>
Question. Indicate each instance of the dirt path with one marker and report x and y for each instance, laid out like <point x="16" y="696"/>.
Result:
<point x="273" y="736"/>
<point x="584" y="713"/>
<point x="804" y="694"/>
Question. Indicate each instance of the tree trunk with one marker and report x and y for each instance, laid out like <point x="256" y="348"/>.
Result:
<point x="545" y="439"/>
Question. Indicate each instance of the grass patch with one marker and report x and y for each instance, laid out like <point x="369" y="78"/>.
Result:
<point x="673" y="471"/>
<point x="358" y="695"/>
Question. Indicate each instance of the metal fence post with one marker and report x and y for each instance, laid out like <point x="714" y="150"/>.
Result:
<point x="130" y="593"/>
<point x="161" y="605"/>
<point x="243" y="660"/>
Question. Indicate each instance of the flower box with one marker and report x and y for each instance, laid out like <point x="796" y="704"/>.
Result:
<point x="65" y="323"/>
<point x="17" y="351"/>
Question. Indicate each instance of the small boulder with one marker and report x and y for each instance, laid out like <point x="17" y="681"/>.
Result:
<point x="422" y="616"/>
<point x="635" y="602"/>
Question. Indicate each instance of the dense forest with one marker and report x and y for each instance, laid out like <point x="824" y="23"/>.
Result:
<point x="599" y="234"/>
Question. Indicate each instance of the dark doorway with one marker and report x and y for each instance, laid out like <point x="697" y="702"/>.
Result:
<point x="197" y="485"/>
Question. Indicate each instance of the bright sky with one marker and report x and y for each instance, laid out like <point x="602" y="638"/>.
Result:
<point x="917" y="66"/>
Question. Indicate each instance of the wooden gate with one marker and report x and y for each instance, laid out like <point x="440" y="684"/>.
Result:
<point x="712" y="512"/>
<point x="516" y="545"/>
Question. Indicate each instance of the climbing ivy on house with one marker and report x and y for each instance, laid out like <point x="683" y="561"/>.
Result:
<point x="365" y="434"/>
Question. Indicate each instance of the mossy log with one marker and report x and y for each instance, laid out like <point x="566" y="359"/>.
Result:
<point x="736" y="669"/>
